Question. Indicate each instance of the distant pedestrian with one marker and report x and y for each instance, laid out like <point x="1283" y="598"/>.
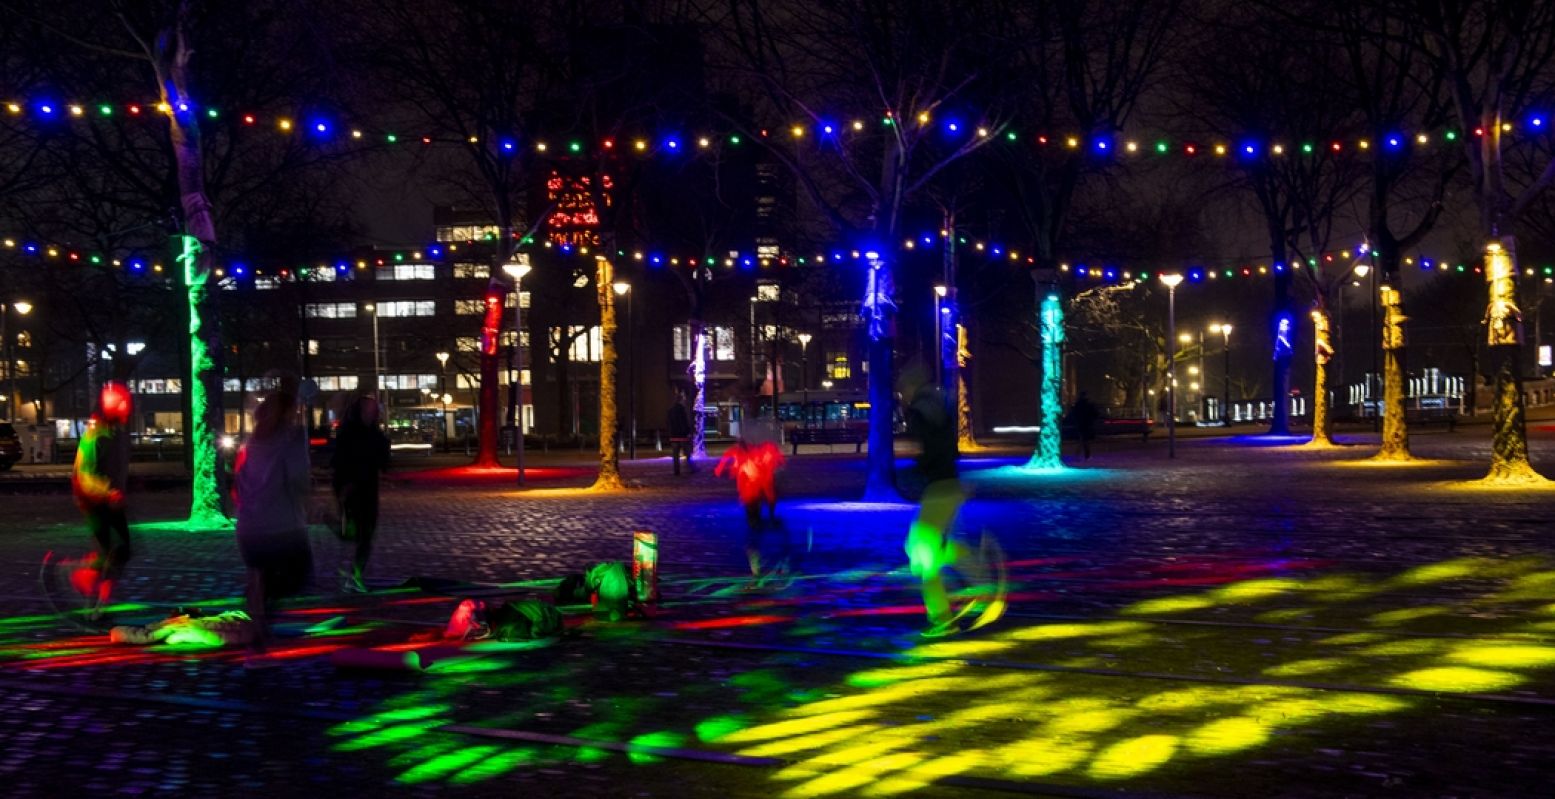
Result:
<point x="99" y="481"/>
<point x="271" y="487"/>
<point x="1084" y="415"/>
<point x="679" y="424"/>
<point x="361" y="456"/>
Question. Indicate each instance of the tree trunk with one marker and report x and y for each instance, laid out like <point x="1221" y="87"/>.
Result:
<point x="489" y="406"/>
<point x="964" y="429"/>
<point x="1509" y="446"/>
<point x="879" y="311"/>
<point x="1322" y="421"/>
<point x="1395" y="428"/>
<point x="698" y="369"/>
<point x="1049" y="454"/>
<point x="609" y="459"/>
<point x="171" y="65"/>
<point x="1283" y="325"/>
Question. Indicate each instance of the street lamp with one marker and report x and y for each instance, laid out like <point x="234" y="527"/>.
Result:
<point x="1362" y="270"/>
<point x="804" y="378"/>
<point x="442" y="360"/>
<point x="1225" y="400"/>
<point x="23" y="308"/>
<point x="1171" y="281"/>
<point x="377" y="364"/>
<point x="940" y="291"/>
<point x="517" y="271"/>
<point x="624" y="289"/>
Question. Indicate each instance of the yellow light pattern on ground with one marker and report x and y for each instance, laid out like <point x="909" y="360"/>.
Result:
<point x="1082" y="728"/>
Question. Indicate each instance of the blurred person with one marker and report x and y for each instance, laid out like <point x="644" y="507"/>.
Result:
<point x="360" y="458"/>
<point x="1084" y="415"/>
<point x="678" y="421"/>
<point x="931" y="547"/>
<point x="99" y="480"/>
<point x="271" y="488"/>
<point x="753" y="465"/>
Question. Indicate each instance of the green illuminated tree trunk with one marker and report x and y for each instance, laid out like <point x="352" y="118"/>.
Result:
<point x="609" y="459"/>
<point x="1050" y="437"/>
<point x="170" y="61"/>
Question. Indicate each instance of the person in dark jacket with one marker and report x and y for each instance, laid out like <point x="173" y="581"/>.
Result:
<point x="361" y="456"/>
<point x="1084" y="415"/>
<point x="679" y="424"/>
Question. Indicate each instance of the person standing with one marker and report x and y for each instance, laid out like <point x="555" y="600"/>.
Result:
<point x="271" y="487"/>
<point x="361" y="456"/>
<point x="98" y="482"/>
<point x="679" y="424"/>
<point x="1083" y="414"/>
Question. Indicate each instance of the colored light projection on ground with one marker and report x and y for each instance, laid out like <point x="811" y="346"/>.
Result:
<point x="1070" y="720"/>
<point x="1050" y="437"/>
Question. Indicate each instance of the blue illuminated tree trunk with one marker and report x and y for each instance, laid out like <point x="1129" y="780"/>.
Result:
<point x="1050" y="436"/>
<point x="879" y="312"/>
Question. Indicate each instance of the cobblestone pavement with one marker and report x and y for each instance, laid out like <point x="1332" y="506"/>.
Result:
<point x="1247" y="619"/>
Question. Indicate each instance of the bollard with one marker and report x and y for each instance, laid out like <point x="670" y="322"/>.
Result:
<point x="645" y="565"/>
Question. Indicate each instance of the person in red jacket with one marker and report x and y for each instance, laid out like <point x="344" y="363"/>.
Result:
<point x="99" y="480"/>
<point x="754" y="469"/>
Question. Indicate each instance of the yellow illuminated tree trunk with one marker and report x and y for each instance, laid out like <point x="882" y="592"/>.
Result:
<point x="1504" y="327"/>
<point x="1395" y="428"/>
<point x="1323" y="350"/>
<point x="968" y="440"/>
<point x="609" y="460"/>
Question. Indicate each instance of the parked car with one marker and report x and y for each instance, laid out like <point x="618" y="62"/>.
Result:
<point x="10" y="446"/>
<point x="1116" y="421"/>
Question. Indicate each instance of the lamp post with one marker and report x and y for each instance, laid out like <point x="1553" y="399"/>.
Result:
<point x="624" y="289"/>
<point x="804" y="379"/>
<point x="1364" y="270"/>
<point x="22" y="309"/>
<point x="447" y="398"/>
<point x="1171" y="281"/>
<point x="1225" y="372"/>
<point x="377" y="364"/>
<point x="940" y="290"/>
<point x="517" y="271"/>
<point x="442" y="379"/>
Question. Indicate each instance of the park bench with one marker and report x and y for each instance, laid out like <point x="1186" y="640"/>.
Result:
<point x="829" y="436"/>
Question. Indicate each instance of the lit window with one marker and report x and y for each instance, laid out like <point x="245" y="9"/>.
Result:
<point x="313" y="346"/>
<point x="402" y="308"/>
<point x="467" y="344"/>
<point x="330" y="310"/>
<point x="266" y="283"/>
<point x="768" y="292"/>
<point x="473" y="271"/>
<point x="582" y="345"/>
<point x="838" y="368"/>
<point x="406" y="272"/>
<point x="469" y="307"/>
<point x="407" y="382"/>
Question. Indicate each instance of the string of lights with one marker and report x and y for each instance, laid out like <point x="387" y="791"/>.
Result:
<point x="1090" y="270"/>
<point x="323" y="128"/>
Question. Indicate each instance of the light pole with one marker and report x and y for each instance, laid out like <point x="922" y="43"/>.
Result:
<point x="1225" y="372"/>
<point x="1171" y="281"/>
<point x="804" y="379"/>
<point x="517" y="272"/>
<point x="377" y="365"/>
<point x="940" y="290"/>
<point x="624" y="289"/>
<point x="442" y="360"/>
<point x="1364" y="270"/>
<point x="447" y="398"/>
<point x="22" y="309"/>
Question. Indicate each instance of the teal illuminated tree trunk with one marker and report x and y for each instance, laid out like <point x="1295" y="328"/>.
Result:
<point x="170" y="61"/>
<point x="1050" y="437"/>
